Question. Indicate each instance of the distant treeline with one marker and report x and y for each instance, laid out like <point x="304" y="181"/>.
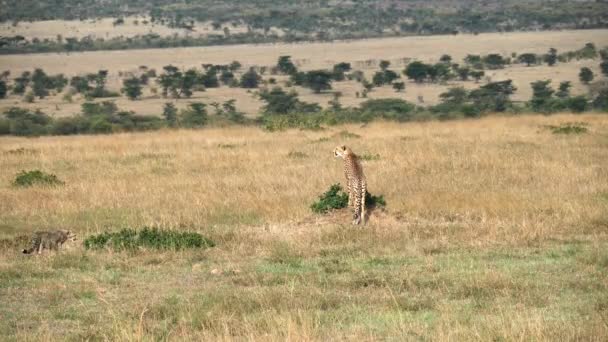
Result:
<point x="306" y="20"/>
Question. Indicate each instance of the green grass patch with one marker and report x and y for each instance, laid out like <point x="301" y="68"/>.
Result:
<point x="369" y="157"/>
<point x="346" y="135"/>
<point x="36" y="177"/>
<point x="153" y="238"/>
<point x="568" y="128"/>
<point x="297" y="155"/>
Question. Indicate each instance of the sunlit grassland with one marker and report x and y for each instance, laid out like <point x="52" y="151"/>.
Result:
<point x="494" y="229"/>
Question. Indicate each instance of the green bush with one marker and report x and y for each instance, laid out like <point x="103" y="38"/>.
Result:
<point x="373" y="201"/>
<point x="35" y="177"/>
<point x="334" y="198"/>
<point x="153" y="238"/>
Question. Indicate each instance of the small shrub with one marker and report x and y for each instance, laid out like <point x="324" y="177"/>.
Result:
<point x="154" y="238"/>
<point x="369" y="157"/>
<point x="347" y="135"/>
<point x="568" y="128"/>
<point x="35" y="177"/>
<point x="334" y="198"/>
<point x="297" y="155"/>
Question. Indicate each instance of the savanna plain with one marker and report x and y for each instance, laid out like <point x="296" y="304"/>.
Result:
<point x="494" y="229"/>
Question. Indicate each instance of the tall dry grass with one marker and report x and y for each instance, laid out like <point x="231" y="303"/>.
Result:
<point x="495" y="230"/>
<point x="495" y="179"/>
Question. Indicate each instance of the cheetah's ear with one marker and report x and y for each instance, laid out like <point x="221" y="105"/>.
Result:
<point x="343" y="147"/>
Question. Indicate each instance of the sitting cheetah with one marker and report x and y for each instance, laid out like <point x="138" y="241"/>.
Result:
<point x="355" y="182"/>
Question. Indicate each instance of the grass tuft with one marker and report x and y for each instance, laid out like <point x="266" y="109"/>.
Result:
<point x="568" y="128"/>
<point x="36" y="177"/>
<point x="129" y="239"/>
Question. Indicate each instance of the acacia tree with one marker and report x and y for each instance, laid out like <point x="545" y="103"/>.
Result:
<point x="286" y="66"/>
<point x="318" y="80"/>
<point x="170" y="114"/>
<point x="250" y="79"/>
<point x="417" y="71"/>
<point x="604" y="67"/>
<point x="3" y="89"/>
<point x="564" y="89"/>
<point x="585" y="75"/>
<point x="551" y="57"/>
<point x="398" y="86"/>
<point x="527" y="58"/>
<point x="132" y="88"/>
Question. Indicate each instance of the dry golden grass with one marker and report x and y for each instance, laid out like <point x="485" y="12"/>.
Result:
<point x="495" y="229"/>
<point x="363" y="54"/>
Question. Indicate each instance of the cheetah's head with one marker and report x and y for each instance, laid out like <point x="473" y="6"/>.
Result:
<point x="70" y="236"/>
<point x="342" y="151"/>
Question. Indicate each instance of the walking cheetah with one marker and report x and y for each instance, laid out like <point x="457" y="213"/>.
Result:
<point x="49" y="240"/>
<point x="355" y="182"/>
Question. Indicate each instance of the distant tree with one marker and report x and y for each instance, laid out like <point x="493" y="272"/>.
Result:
<point x="367" y="86"/>
<point x="604" y="67"/>
<point x="99" y="79"/>
<point x="286" y="66"/>
<point x="21" y="83"/>
<point x="384" y="64"/>
<point x="209" y="79"/>
<point x="384" y="77"/>
<point x="40" y="83"/>
<point x="187" y="82"/>
<point x="463" y="73"/>
<point x="170" y="114"/>
<point x="494" y="61"/>
<point x="441" y="72"/>
<point x="494" y="96"/>
<point x="454" y="96"/>
<point x="80" y="84"/>
<point x="527" y="58"/>
<point x="564" y="89"/>
<point x="541" y="95"/>
<point x="318" y="80"/>
<point x="417" y="71"/>
<point x="195" y="115"/>
<point x="343" y="66"/>
<point x="250" y="79"/>
<point x="3" y="89"/>
<point x="234" y="66"/>
<point x="278" y="101"/>
<point x="551" y="57"/>
<point x="398" y="86"/>
<point x="177" y="84"/>
<point x="132" y="88"/>
<point x="474" y="61"/>
<point x="447" y="59"/>
<point x="585" y="75"/>
<point x="477" y="74"/>
<point x="227" y="77"/>
<point x="339" y="70"/>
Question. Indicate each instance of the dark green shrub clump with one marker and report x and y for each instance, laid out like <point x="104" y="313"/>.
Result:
<point x="35" y="177"/>
<point x="336" y="198"/>
<point x="129" y="239"/>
